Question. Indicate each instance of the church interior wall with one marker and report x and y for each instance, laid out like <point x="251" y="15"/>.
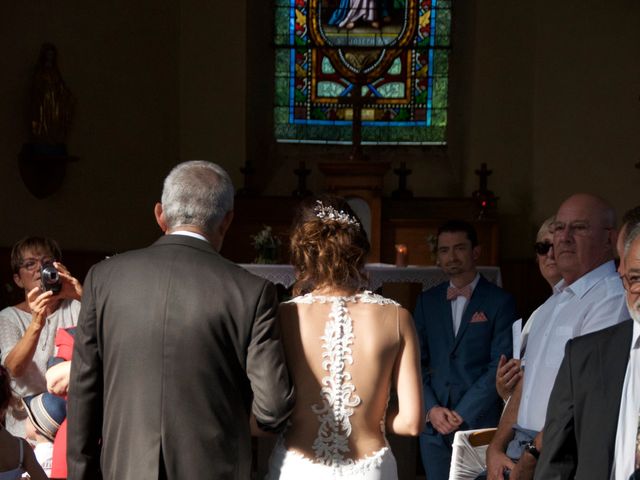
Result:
<point x="548" y="98"/>
<point x="120" y="61"/>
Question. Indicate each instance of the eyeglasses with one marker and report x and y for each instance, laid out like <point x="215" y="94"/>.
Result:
<point x="542" y="248"/>
<point x="32" y="264"/>
<point x="631" y="283"/>
<point x="580" y="229"/>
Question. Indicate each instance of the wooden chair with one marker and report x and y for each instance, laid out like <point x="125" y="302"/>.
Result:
<point x="469" y="453"/>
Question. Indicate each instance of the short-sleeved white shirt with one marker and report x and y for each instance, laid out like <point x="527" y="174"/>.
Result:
<point x="593" y="302"/>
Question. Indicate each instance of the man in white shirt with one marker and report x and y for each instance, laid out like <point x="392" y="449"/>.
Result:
<point x="587" y="299"/>
<point x="592" y="422"/>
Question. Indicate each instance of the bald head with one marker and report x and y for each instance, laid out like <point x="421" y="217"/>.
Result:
<point x="584" y="235"/>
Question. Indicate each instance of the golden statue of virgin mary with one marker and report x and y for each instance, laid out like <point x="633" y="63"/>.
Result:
<point x="51" y="100"/>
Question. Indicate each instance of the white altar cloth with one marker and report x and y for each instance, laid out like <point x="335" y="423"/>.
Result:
<point x="379" y="273"/>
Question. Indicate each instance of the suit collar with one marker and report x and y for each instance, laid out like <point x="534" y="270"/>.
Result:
<point x="188" y="233"/>
<point x="613" y="357"/>
<point x="635" y="342"/>
<point x="187" y="241"/>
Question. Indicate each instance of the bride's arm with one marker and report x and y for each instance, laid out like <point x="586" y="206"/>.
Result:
<point x="407" y="417"/>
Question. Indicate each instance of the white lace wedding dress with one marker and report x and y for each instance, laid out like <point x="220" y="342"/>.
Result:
<point x="341" y="353"/>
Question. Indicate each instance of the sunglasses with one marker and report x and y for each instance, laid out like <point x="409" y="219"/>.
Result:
<point x="542" y="248"/>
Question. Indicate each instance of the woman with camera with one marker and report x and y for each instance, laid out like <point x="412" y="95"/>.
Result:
<point x="28" y="329"/>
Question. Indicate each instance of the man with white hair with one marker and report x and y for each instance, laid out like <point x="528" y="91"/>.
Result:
<point x="176" y="348"/>
<point x="591" y="431"/>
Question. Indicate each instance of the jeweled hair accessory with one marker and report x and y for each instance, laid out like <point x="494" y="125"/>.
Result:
<point x="327" y="213"/>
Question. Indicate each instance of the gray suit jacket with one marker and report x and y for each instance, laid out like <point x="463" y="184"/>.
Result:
<point x="582" y="417"/>
<point x="175" y="347"/>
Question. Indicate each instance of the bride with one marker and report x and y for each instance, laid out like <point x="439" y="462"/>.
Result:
<point x="347" y="349"/>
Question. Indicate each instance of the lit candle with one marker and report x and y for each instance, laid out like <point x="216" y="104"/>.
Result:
<point x="401" y="255"/>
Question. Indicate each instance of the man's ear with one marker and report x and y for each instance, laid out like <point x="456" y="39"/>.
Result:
<point x="477" y="250"/>
<point x="225" y="223"/>
<point x="217" y="236"/>
<point x="159" y="213"/>
<point x="18" y="280"/>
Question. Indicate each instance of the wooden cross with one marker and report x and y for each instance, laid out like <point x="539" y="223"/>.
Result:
<point x="483" y="173"/>
<point x="302" y="172"/>
<point x="402" y="172"/>
<point x="356" y="101"/>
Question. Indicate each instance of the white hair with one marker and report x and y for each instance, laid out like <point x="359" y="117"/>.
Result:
<point x="632" y="232"/>
<point x="545" y="228"/>
<point x="197" y="193"/>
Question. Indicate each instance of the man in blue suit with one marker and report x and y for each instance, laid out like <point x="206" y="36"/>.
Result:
<point x="464" y="325"/>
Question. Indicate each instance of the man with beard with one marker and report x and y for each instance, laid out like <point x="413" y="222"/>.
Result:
<point x="464" y="325"/>
<point x="591" y="430"/>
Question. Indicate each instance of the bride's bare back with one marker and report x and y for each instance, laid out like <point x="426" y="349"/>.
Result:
<point x="345" y="354"/>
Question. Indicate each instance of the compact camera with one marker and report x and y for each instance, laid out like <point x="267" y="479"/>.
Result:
<point x="50" y="278"/>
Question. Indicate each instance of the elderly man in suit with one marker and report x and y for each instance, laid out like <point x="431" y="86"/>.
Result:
<point x="591" y="430"/>
<point x="464" y="326"/>
<point x="175" y="348"/>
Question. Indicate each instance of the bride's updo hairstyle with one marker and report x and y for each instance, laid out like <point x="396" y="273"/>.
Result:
<point x="328" y="246"/>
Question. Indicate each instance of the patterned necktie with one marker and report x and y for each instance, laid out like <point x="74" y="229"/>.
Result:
<point x="453" y="292"/>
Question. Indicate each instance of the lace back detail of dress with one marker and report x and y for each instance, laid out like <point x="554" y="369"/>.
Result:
<point x="338" y="394"/>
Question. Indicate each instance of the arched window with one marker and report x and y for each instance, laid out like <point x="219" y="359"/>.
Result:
<point x="396" y="51"/>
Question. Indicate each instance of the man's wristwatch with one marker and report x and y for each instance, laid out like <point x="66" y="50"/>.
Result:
<point x="531" y="448"/>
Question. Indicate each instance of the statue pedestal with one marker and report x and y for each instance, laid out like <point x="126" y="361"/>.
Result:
<point x="43" y="168"/>
<point x="364" y="181"/>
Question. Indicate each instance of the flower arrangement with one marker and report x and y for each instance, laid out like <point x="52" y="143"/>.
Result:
<point x="267" y="246"/>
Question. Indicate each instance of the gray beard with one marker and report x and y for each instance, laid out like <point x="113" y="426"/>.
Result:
<point x="635" y="314"/>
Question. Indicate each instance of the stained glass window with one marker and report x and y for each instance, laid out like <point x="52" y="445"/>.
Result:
<point x="395" y="51"/>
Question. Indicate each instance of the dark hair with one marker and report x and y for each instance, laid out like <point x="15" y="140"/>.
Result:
<point x="33" y="243"/>
<point x="328" y="251"/>
<point x="7" y="397"/>
<point x="453" y="226"/>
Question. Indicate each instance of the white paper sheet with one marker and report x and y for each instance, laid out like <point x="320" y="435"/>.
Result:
<point x="516" y="330"/>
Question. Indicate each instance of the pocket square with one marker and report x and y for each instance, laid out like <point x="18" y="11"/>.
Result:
<point x="479" y="317"/>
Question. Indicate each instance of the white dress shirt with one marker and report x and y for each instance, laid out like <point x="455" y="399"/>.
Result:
<point x="189" y="234"/>
<point x="459" y="303"/>
<point x="591" y="303"/>
<point x="624" y="457"/>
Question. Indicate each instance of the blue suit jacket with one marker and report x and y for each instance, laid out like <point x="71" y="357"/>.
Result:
<point x="459" y="372"/>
